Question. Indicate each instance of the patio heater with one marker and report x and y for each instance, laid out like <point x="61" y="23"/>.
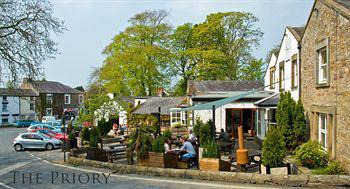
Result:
<point x="241" y="153"/>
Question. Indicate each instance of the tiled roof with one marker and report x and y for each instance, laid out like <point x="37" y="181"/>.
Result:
<point x="53" y="87"/>
<point x="17" y="92"/>
<point x="201" y="87"/>
<point x="165" y="103"/>
<point x="297" y="32"/>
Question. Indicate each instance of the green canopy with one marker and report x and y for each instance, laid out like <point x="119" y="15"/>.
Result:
<point x="218" y="103"/>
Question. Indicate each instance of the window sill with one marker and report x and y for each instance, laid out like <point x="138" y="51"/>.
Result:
<point x="322" y="85"/>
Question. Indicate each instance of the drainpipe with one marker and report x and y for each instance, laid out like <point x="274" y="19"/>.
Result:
<point x="299" y="72"/>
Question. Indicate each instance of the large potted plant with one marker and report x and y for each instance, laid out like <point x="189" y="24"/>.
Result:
<point x="93" y="152"/>
<point x="140" y="142"/>
<point x="273" y="153"/>
<point x="210" y="160"/>
<point x="72" y="140"/>
<point x="156" y="155"/>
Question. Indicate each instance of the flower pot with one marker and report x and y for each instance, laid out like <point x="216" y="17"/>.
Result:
<point x="285" y="170"/>
<point x="214" y="164"/>
<point x="156" y="159"/>
<point x="96" y="154"/>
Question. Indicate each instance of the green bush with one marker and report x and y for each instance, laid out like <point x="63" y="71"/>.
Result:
<point x="311" y="155"/>
<point x="210" y="150"/>
<point x="167" y="134"/>
<point x="273" y="149"/>
<point x="94" y="137"/>
<point x="206" y="132"/>
<point x="85" y="134"/>
<point x="196" y="128"/>
<point x="140" y="141"/>
<point x="71" y="136"/>
<point x="104" y="127"/>
<point x="333" y="168"/>
<point x="76" y="127"/>
<point x="70" y="126"/>
<point x="158" y="145"/>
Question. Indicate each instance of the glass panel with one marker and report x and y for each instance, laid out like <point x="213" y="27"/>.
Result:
<point x="323" y="121"/>
<point x="323" y="139"/>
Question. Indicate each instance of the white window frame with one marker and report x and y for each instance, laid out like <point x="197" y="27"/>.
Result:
<point x="179" y="117"/>
<point x="322" y="131"/>
<point x="49" y="98"/>
<point x="65" y="100"/>
<point x="322" y="66"/>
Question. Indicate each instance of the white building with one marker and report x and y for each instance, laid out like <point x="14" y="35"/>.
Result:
<point x="282" y="74"/>
<point x="17" y="104"/>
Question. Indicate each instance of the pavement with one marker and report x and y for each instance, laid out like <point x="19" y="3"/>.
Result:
<point x="45" y="169"/>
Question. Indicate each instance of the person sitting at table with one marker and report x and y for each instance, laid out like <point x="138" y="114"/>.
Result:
<point x="223" y="136"/>
<point x="167" y="145"/>
<point x="192" y="136"/>
<point x="188" y="148"/>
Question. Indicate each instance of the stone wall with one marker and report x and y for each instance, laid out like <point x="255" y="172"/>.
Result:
<point x="327" y="23"/>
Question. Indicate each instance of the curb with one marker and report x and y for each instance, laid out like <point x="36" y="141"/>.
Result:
<point x="232" y="177"/>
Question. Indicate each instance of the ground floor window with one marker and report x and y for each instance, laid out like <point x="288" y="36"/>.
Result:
<point x="5" y="120"/>
<point x="322" y="130"/>
<point x="178" y="118"/>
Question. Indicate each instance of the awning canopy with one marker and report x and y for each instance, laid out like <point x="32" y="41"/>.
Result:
<point x="217" y="103"/>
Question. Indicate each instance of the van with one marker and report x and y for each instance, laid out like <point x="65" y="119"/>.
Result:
<point x="46" y="119"/>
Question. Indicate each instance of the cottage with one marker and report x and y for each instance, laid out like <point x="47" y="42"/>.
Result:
<point x="17" y="104"/>
<point x="55" y="98"/>
<point x="282" y="74"/>
<point x="325" y="86"/>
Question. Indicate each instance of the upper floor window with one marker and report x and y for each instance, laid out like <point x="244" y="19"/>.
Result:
<point x="272" y="77"/>
<point x="322" y="64"/>
<point x="81" y="99"/>
<point x="4" y="107"/>
<point x="294" y="71"/>
<point x="281" y="76"/>
<point x="48" y="98"/>
<point x="67" y="98"/>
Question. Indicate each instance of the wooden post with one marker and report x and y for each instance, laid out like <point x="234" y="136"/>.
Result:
<point x="159" y="121"/>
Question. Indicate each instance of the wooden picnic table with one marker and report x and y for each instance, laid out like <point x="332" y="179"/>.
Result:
<point x="117" y="145"/>
<point x="172" y="157"/>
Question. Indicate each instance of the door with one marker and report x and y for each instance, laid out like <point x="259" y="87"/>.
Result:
<point x="37" y="141"/>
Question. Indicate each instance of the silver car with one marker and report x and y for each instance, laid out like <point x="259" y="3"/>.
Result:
<point x="35" y="141"/>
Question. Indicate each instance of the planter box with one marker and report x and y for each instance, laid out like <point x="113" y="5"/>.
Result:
<point x="156" y="159"/>
<point x="96" y="154"/>
<point x="143" y="162"/>
<point x="276" y="170"/>
<point x="214" y="164"/>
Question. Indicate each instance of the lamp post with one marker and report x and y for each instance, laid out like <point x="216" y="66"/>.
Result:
<point x="63" y="128"/>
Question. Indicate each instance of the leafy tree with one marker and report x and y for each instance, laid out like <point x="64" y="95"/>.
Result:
<point x="80" y="88"/>
<point x="285" y="117"/>
<point x="273" y="148"/>
<point x="206" y="132"/>
<point x="26" y="28"/>
<point x="253" y="71"/>
<point x="211" y="150"/>
<point x="137" y="57"/>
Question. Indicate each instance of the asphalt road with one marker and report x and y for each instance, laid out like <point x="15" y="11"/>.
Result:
<point x="22" y="170"/>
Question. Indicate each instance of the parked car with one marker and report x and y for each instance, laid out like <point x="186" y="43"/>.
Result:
<point x="46" y="119"/>
<point x="24" y="123"/>
<point x="54" y="123"/>
<point x="35" y="141"/>
<point x="52" y="134"/>
<point x="42" y="126"/>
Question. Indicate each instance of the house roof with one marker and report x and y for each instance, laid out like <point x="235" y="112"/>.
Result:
<point x="219" y="95"/>
<point x="268" y="101"/>
<point x="165" y="103"/>
<point x="297" y="32"/>
<point x="53" y="87"/>
<point x="18" y="92"/>
<point x="202" y="87"/>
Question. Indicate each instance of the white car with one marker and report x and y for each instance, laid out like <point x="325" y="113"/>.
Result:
<point x="46" y="119"/>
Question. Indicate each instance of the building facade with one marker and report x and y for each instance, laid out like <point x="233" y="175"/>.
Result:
<point x="325" y="81"/>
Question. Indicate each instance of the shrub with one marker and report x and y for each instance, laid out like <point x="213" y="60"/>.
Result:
<point x="76" y="127"/>
<point x="104" y="127"/>
<point x="71" y="136"/>
<point x="94" y="137"/>
<point x="140" y="141"/>
<point x="210" y="150"/>
<point x="273" y="149"/>
<point x="70" y="126"/>
<point x="85" y="134"/>
<point x="158" y="145"/>
<point x="333" y="168"/>
<point x="167" y="134"/>
<point x="299" y="124"/>
<point x="311" y="155"/>
<point x="197" y="126"/>
<point x="206" y="132"/>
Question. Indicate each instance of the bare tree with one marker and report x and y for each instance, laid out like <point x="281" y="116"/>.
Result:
<point x="26" y="28"/>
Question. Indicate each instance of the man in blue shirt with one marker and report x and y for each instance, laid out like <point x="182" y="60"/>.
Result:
<point x="188" y="147"/>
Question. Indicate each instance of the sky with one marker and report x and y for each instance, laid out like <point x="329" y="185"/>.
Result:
<point x="92" y="24"/>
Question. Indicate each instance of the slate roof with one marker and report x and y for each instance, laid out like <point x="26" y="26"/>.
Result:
<point x="152" y="104"/>
<point x="297" y="32"/>
<point x="54" y="87"/>
<point x="269" y="101"/>
<point x="202" y="87"/>
<point x="17" y="92"/>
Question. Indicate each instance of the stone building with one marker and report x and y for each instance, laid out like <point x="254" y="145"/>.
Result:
<point x="325" y="76"/>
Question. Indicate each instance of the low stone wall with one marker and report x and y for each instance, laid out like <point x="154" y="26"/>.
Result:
<point x="251" y="178"/>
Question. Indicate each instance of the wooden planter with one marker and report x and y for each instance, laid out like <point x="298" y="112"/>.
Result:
<point x="156" y="159"/>
<point x="96" y="154"/>
<point x="143" y="162"/>
<point x="276" y="170"/>
<point x="214" y="164"/>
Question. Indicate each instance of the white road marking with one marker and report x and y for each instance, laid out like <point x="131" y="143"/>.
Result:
<point x="12" y="167"/>
<point x="4" y="185"/>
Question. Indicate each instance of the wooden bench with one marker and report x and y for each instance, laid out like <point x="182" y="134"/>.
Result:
<point x="116" y="153"/>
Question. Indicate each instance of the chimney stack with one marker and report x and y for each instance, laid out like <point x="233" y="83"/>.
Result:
<point x="160" y="91"/>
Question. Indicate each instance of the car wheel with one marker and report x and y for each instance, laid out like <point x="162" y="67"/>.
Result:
<point x="18" y="147"/>
<point x="49" y="147"/>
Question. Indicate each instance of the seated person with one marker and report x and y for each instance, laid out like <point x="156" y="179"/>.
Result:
<point x="223" y="136"/>
<point x="192" y="136"/>
<point x="188" y="148"/>
<point x="167" y="145"/>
